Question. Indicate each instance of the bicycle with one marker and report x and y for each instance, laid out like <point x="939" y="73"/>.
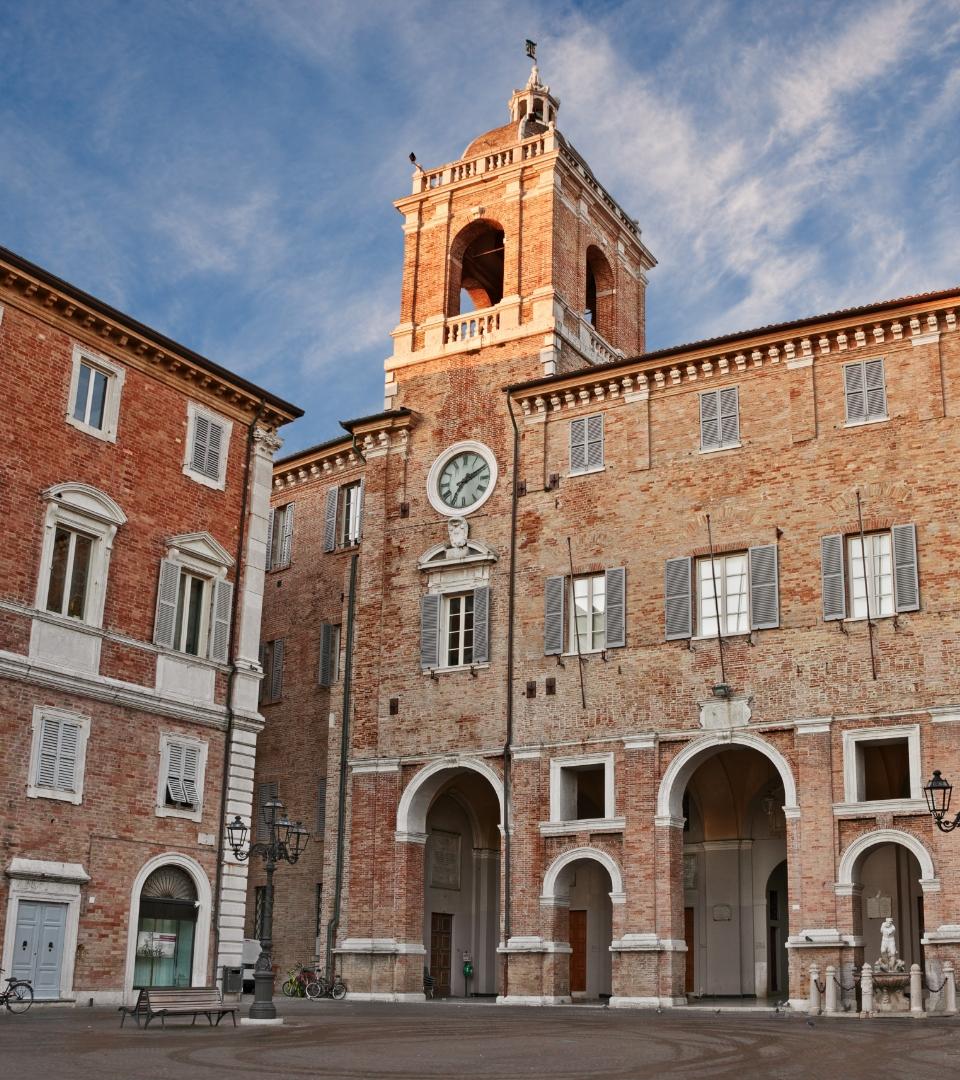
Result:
<point x="321" y="986"/>
<point x="299" y="977"/>
<point x="17" y="995"/>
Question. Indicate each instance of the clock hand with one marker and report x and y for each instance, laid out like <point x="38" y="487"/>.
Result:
<point x="466" y="480"/>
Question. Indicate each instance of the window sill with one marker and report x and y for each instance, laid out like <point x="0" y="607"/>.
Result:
<point x="75" y="797"/>
<point x="585" y="652"/>
<point x="217" y="485"/>
<point x="459" y="668"/>
<point x="863" y="618"/>
<point x="277" y="569"/>
<point x="175" y="812"/>
<point x="897" y="807"/>
<point x="587" y="472"/>
<point x="726" y="637"/>
<point x="107" y="435"/>
<point x="720" y="449"/>
<point x="865" y="423"/>
<point x="581" y="825"/>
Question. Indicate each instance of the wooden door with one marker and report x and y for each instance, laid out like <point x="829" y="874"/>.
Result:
<point x="441" y="938"/>
<point x="688" y="937"/>
<point x="578" y="958"/>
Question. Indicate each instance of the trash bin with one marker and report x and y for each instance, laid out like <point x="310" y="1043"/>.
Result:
<point x="232" y="980"/>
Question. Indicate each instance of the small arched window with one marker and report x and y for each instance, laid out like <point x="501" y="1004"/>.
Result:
<point x="476" y="268"/>
<point x="599" y="293"/>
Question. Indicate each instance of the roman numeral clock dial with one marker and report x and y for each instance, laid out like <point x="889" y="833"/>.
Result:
<point x="462" y="478"/>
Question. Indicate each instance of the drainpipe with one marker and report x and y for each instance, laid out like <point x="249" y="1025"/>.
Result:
<point x="507" y="765"/>
<point x="334" y="921"/>
<point x="231" y="679"/>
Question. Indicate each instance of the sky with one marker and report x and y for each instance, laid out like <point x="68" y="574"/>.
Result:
<point x="224" y="170"/>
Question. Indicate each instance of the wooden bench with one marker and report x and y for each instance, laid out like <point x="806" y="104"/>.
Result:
<point x="164" y="1001"/>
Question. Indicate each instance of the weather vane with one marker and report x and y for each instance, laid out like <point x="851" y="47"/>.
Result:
<point x="531" y="49"/>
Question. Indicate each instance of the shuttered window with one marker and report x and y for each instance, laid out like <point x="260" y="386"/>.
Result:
<point x="590" y="613"/>
<point x="875" y="577"/>
<point x="455" y="629"/>
<point x="329" y="671"/>
<point x="280" y="537"/>
<point x="271" y="659"/>
<point x="865" y="393"/>
<point x="351" y="513"/>
<point x="740" y="589"/>
<point x="57" y="759"/>
<point x="207" y="449"/>
<point x="330" y="520"/>
<point x="720" y="418"/>
<point x="321" y="806"/>
<point x="183" y="768"/>
<point x="586" y="444"/>
<point x="266" y="791"/>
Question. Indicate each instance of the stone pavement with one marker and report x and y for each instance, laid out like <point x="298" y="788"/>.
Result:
<point x="477" y="1041"/>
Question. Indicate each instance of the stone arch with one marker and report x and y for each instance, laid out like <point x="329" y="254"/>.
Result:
<point x="600" y="292"/>
<point x="476" y="265"/>
<point x="683" y="766"/>
<point x="201" y="944"/>
<point x="855" y="851"/>
<point x="552" y="877"/>
<point x="423" y="787"/>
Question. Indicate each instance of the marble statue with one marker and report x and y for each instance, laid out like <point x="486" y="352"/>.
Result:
<point x="889" y="960"/>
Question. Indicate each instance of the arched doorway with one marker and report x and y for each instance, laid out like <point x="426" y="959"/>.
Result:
<point x="166" y="929"/>
<point x="734" y="876"/>
<point x="458" y="807"/>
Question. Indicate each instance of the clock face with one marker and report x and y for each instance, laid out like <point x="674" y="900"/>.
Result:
<point x="464" y="480"/>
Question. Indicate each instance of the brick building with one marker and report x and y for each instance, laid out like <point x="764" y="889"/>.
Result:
<point x="135" y="492"/>
<point x="612" y="673"/>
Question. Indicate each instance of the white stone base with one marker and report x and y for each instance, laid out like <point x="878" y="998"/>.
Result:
<point x="255" y="1022"/>
<point x="533" y="999"/>
<point x="352" y="995"/>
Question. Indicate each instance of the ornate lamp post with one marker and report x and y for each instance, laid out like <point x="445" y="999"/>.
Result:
<point x="937" y="793"/>
<point x="286" y="841"/>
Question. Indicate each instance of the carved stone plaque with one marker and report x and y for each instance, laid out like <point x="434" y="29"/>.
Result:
<point x="444" y="859"/>
<point x="878" y="907"/>
<point x="722" y="913"/>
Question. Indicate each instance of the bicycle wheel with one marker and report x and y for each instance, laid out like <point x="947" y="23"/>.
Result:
<point x="290" y="988"/>
<point x="314" y="990"/>
<point x="338" y="991"/>
<point x="20" y="998"/>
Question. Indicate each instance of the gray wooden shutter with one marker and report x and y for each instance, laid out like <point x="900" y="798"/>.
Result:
<point x="678" y="598"/>
<point x="221" y="608"/>
<point x="214" y="450"/>
<point x="286" y="538"/>
<point x="49" y="752"/>
<point x="729" y="416"/>
<point x="201" y="443"/>
<point x="321" y="806"/>
<point x="595" y="441"/>
<point x="330" y="520"/>
<point x="853" y="390"/>
<point x="553" y="605"/>
<point x="578" y="444"/>
<point x="326" y="654"/>
<point x="709" y="419"/>
<point x="265" y="792"/>
<point x="164" y="626"/>
<point x="907" y="582"/>
<point x="429" y="631"/>
<point x="276" y="671"/>
<point x="873" y="384"/>
<point x="832" y="579"/>
<point x="361" y="490"/>
<point x="615" y="588"/>
<point x="481" y="625"/>
<point x="764" y="588"/>
<point x="67" y="756"/>
<point x="191" y="768"/>
<point x="175" y="792"/>
<point x="271" y="524"/>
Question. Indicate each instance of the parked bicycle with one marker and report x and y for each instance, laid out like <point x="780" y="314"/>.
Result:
<point x="17" y="995"/>
<point x="321" y="986"/>
<point x="298" y="979"/>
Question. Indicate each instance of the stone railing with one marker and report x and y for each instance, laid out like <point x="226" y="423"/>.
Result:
<point x="596" y="346"/>
<point x="475" y="324"/>
<point x="427" y="180"/>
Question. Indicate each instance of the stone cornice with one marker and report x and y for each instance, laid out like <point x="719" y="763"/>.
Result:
<point x="98" y="326"/>
<point x="796" y="346"/>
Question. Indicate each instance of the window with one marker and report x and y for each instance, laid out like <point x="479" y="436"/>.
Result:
<point x="590" y="612"/>
<point x="329" y="654"/>
<point x="182" y="767"/>
<point x="207" y="444"/>
<point x="79" y="527"/>
<point x="864" y="390"/>
<point x="742" y="587"/>
<point x="271" y="659"/>
<point x="586" y="444"/>
<point x="581" y="788"/>
<point x="94" y="401"/>
<point x="280" y="537"/>
<point x="454" y="629"/>
<point x="194" y="599"/>
<point x="58" y="754"/>
<point x="720" y="419"/>
<point x="266" y="791"/>
<point x="882" y="764"/>
<point x="343" y="516"/>
<point x="873" y="579"/>
<point x="321" y="806"/>
<point x="319" y="905"/>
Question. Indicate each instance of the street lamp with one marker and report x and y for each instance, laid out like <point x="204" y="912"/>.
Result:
<point x="937" y="793"/>
<point x="286" y="840"/>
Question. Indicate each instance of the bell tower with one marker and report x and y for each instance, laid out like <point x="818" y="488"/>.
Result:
<point x="515" y="256"/>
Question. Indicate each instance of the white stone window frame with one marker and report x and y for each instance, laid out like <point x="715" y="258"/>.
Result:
<point x="194" y="409"/>
<point x="877" y="418"/>
<point x="853" y="770"/>
<point x="115" y="375"/>
<point x="463" y="573"/>
<point x="571" y="619"/>
<point x="558" y="824"/>
<point x="80" y="508"/>
<point x="34" y="789"/>
<point x="721" y="579"/>
<point x="350" y="514"/>
<point x="200" y="555"/>
<point x="162" y="809"/>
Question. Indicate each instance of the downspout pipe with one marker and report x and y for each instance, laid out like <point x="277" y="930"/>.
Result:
<point x="334" y="922"/>
<point x="508" y="742"/>
<point x="231" y="678"/>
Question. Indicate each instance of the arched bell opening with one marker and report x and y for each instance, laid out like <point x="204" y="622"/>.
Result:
<point x="476" y="268"/>
<point x="600" y="293"/>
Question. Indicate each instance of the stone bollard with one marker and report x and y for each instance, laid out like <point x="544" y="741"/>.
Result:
<point x="815" y="1003"/>
<point x="916" y="990"/>
<point x="949" y="989"/>
<point x="831" y="978"/>
<point x="866" y="990"/>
